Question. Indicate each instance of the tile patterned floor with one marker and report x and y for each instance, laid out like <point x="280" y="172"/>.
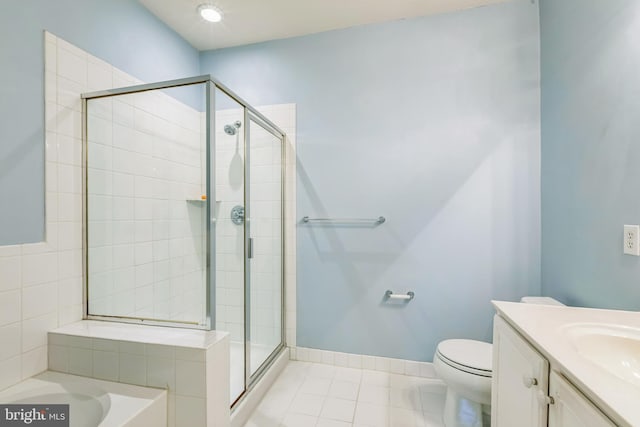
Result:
<point x="317" y="395"/>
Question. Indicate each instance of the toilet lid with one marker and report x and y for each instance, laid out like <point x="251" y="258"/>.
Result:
<point x="472" y="354"/>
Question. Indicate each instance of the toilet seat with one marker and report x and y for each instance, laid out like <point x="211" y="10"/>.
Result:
<point x="472" y="357"/>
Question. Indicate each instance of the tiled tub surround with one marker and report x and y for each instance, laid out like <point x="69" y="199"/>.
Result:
<point x="92" y="401"/>
<point x="146" y="220"/>
<point x="192" y="365"/>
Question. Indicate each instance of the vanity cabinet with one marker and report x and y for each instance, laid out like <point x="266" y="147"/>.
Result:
<point x="570" y="408"/>
<point x="520" y="380"/>
<point x="525" y="393"/>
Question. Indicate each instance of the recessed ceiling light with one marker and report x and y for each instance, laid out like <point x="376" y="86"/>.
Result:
<point x="209" y="13"/>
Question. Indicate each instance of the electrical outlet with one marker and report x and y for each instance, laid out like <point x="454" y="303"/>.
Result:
<point x="631" y="234"/>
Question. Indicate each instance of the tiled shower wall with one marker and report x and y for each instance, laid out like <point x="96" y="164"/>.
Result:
<point x="146" y="217"/>
<point x="41" y="284"/>
<point x="229" y="236"/>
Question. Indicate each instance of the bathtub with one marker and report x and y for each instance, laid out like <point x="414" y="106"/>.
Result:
<point x="92" y="402"/>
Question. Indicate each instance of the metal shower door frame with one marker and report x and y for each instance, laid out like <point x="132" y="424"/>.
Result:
<point x="250" y="114"/>
<point x="252" y="379"/>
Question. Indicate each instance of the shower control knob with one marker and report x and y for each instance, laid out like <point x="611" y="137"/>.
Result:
<point x="237" y="215"/>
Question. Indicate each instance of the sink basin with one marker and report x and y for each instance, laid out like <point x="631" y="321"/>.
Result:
<point x="614" y="348"/>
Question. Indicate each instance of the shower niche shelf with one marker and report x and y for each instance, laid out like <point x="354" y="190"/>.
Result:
<point x="200" y="201"/>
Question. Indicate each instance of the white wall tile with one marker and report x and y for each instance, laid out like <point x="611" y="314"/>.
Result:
<point x="80" y="361"/>
<point x="99" y="74"/>
<point x="72" y="65"/>
<point x="39" y="299"/>
<point x="190" y="354"/>
<point x="69" y="122"/>
<point x="51" y="58"/>
<point x="10" y="273"/>
<point x="10" y="337"/>
<point x="10" y="307"/>
<point x="10" y="371"/>
<point x="190" y="378"/>
<point x="355" y="361"/>
<point x="133" y="369"/>
<point x="382" y="364"/>
<point x="190" y="411"/>
<point x="396" y="366"/>
<point x="161" y="372"/>
<point x="106" y="365"/>
<point x="58" y="358"/>
<point x="135" y="348"/>
<point x="34" y="362"/>
<point x="67" y="92"/>
<point x="39" y="268"/>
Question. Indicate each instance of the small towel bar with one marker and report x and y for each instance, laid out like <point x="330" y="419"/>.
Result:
<point x="375" y="221"/>
<point x="406" y="297"/>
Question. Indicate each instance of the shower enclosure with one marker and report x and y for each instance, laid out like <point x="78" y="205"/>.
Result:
<point x="183" y="215"/>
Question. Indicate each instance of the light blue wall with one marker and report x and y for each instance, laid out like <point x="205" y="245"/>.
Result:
<point x="121" y="32"/>
<point x="590" y="150"/>
<point x="434" y="123"/>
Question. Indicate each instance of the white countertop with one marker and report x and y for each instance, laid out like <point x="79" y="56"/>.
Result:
<point x="543" y="326"/>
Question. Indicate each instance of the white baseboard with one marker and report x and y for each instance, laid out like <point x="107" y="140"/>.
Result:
<point x="348" y="360"/>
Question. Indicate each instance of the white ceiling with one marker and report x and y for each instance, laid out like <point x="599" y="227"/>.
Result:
<point x="252" y="21"/>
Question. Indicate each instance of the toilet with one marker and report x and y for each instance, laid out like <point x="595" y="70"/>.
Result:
<point x="466" y="367"/>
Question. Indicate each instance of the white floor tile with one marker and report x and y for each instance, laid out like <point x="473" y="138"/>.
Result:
<point x="296" y="369"/>
<point x="317" y="370"/>
<point x="260" y="420"/>
<point x="274" y="406"/>
<point x="402" y="381"/>
<point x="375" y="378"/>
<point x="299" y="420"/>
<point x="317" y="386"/>
<point x="433" y="403"/>
<point x="344" y="390"/>
<point x="407" y="398"/>
<point x="368" y="414"/>
<point x="431" y="420"/>
<point x="399" y="417"/>
<point x="338" y="409"/>
<point x="307" y="404"/>
<point x="429" y="385"/>
<point x="317" y="395"/>
<point x="332" y="423"/>
<point x="351" y="375"/>
<point x="374" y="394"/>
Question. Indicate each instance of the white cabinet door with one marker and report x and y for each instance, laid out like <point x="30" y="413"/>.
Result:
<point x="520" y="380"/>
<point x="570" y="408"/>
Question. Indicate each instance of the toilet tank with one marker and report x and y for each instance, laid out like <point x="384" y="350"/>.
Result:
<point x="540" y="300"/>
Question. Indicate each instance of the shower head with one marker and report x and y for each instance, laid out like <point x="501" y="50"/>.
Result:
<point x="233" y="128"/>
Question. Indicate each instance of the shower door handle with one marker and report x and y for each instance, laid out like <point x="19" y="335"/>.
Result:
<point x="250" y="248"/>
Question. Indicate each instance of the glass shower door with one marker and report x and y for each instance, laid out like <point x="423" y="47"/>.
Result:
<point x="229" y="238"/>
<point x="264" y="244"/>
